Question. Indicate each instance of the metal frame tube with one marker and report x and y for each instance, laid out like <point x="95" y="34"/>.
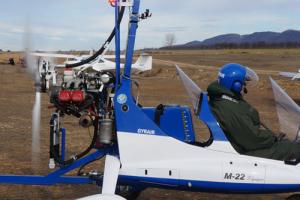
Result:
<point x="56" y="176"/>
<point x="117" y="44"/>
<point x="134" y="19"/>
<point x="63" y="143"/>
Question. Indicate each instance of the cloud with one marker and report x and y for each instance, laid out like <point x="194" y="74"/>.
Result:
<point x="170" y="29"/>
<point x="80" y="24"/>
<point x="10" y="28"/>
<point x="55" y="38"/>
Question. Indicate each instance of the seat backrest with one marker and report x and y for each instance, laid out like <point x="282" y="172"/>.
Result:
<point x="205" y="115"/>
<point x="175" y="121"/>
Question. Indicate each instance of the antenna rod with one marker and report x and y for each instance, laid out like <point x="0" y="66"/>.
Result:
<point x="117" y="43"/>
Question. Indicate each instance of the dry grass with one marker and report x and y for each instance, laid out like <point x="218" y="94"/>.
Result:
<point x="159" y="86"/>
<point x="4" y="57"/>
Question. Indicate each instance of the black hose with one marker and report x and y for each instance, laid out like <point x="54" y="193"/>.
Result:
<point x="100" y="51"/>
<point x="56" y="155"/>
<point x="80" y="173"/>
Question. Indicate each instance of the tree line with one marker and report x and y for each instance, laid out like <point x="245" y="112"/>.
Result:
<point x="225" y="45"/>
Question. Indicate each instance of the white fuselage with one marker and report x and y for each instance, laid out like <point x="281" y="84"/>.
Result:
<point x="153" y="157"/>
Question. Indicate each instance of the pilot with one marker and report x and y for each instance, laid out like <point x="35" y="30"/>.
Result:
<point x="240" y="121"/>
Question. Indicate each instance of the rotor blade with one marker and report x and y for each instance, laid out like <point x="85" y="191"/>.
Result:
<point x="287" y="110"/>
<point x="191" y="87"/>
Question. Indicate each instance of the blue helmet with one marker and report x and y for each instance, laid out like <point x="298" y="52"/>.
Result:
<point x="233" y="76"/>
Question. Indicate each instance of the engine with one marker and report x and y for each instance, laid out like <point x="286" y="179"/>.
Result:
<point x="88" y="96"/>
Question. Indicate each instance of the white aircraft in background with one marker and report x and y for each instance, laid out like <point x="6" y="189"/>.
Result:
<point x="293" y="75"/>
<point x="48" y="72"/>
<point x="70" y="59"/>
<point x="143" y="63"/>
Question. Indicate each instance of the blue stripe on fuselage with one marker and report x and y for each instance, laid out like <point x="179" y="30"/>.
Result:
<point x="208" y="186"/>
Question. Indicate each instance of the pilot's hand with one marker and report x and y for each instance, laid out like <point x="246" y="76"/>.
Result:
<point x="280" y="136"/>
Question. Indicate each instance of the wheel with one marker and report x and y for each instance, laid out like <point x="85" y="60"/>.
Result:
<point x="128" y="192"/>
<point x="294" y="197"/>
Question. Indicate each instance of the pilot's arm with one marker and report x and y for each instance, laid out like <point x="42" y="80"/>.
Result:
<point x="250" y="136"/>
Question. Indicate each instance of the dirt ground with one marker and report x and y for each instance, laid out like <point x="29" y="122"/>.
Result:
<point x="161" y="85"/>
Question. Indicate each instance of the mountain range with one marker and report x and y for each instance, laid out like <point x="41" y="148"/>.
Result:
<point x="288" y="37"/>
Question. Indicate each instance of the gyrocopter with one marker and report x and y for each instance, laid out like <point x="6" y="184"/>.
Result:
<point x="144" y="146"/>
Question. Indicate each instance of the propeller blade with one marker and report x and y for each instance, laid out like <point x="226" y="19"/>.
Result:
<point x="36" y="118"/>
<point x="32" y="67"/>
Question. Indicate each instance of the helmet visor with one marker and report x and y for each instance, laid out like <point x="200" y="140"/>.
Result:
<point x="251" y="78"/>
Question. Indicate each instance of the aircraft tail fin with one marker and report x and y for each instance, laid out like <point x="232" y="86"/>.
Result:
<point x="143" y="63"/>
<point x="91" y="52"/>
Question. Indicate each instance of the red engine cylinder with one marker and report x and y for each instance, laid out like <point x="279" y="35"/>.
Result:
<point x="65" y="96"/>
<point x="77" y="96"/>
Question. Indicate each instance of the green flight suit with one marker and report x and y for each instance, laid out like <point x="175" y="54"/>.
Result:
<point x="241" y="124"/>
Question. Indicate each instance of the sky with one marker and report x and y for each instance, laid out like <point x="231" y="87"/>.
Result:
<point x="85" y="24"/>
